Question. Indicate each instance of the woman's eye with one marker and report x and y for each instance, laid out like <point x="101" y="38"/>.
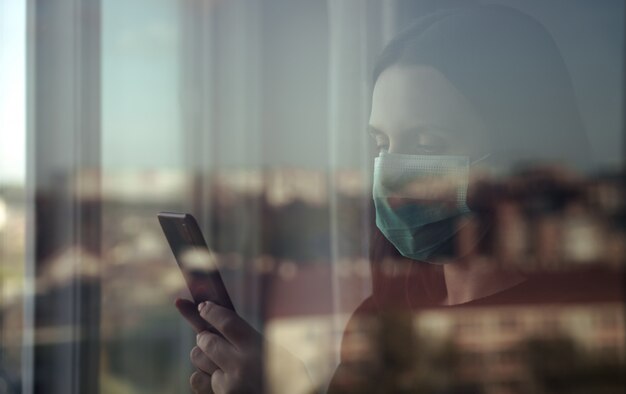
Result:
<point x="431" y="144"/>
<point x="431" y="149"/>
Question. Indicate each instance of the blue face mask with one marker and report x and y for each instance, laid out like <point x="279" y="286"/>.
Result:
<point x="419" y="199"/>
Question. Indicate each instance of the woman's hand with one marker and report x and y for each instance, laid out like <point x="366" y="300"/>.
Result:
<point x="226" y="363"/>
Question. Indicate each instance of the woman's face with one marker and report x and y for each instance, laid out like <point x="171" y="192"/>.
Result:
<point x="417" y="111"/>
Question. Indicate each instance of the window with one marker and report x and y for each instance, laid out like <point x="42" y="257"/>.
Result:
<point x="352" y="165"/>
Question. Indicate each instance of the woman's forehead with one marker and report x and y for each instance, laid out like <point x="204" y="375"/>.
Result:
<point x="409" y="97"/>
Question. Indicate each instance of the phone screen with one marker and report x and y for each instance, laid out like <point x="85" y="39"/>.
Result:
<point x="195" y="260"/>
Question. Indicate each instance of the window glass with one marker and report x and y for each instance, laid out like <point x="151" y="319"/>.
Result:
<point x="398" y="196"/>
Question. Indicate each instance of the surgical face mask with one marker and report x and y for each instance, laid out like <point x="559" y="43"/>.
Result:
<point x="419" y="199"/>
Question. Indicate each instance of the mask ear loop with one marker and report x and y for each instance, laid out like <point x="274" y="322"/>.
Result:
<point x="483" y="157"/>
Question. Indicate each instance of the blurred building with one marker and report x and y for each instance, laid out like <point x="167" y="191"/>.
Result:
<point x="282" y="264"/>
<point x="490" y="340"/>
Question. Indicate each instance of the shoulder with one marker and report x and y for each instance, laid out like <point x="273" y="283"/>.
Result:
<point x="582" y="286"/>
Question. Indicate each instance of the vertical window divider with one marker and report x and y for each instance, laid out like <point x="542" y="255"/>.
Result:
<point x="62" y="298"/>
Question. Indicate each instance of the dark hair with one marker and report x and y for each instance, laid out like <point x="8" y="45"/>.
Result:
<point x="509" y="68"/>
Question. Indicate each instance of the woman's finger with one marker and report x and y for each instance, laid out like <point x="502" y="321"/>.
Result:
<point x="190" y="312"/>
<point x="218" y="382"/>
<point x="218" y="350"/>
<point x="200" y="383"/>
<point x="201" y="361"/>
<point x="228" y="323"/>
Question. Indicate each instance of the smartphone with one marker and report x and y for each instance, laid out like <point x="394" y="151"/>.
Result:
<point x="195" y="260"/>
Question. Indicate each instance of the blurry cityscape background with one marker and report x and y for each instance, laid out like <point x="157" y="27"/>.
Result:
<point x="282" y="268"/>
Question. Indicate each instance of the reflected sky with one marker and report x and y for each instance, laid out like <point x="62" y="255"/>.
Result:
<point x="143" y="61"/>
<point x="12" y="90"/>
<point x="140" y="83"/>
<point x="141" y="73"/>
<point x="590" y="36"/>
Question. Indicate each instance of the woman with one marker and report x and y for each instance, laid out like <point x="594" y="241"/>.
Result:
<point x="459" y="96"/>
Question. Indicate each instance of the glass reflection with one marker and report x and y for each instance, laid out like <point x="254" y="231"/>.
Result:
<point x="480" y="249"/>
